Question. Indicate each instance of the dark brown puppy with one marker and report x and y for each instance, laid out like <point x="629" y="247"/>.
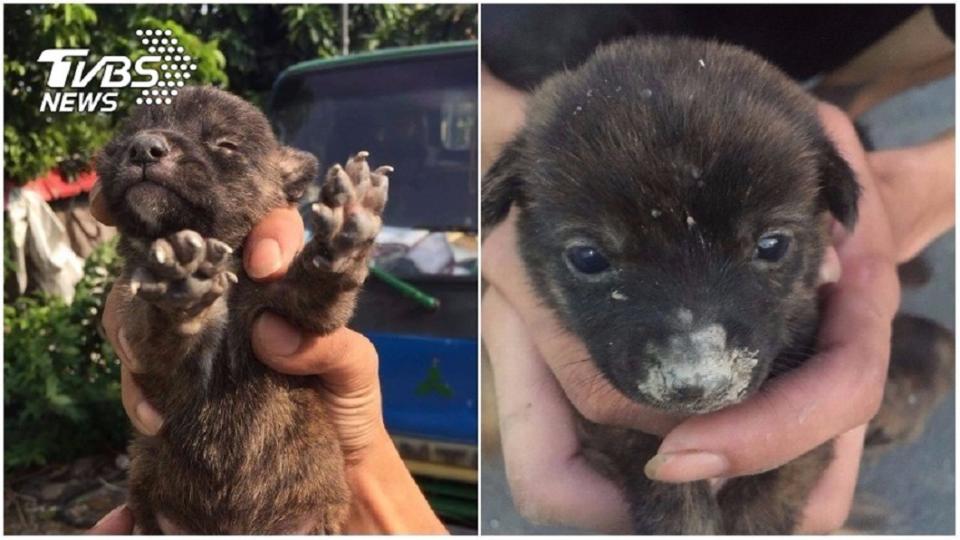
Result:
<point x="243" y="449"/>
<point x="673" y="198"/>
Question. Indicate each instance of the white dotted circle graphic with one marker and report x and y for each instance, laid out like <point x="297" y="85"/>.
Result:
<point x="172" y="62"/>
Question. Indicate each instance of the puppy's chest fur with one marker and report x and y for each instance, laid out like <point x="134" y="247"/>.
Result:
<point x="242" y="448"/>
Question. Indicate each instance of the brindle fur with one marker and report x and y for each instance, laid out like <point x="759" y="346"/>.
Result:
<point x="624" y="150"/>
<point x="243" y="449"/>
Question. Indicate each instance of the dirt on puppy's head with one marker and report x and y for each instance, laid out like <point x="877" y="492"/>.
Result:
<point x="207" y="161"/>
<point x="672" y="199"/>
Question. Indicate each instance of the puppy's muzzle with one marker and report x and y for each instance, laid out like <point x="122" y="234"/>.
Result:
<point x="148" y="148"/>
<point x="696" y="370"/>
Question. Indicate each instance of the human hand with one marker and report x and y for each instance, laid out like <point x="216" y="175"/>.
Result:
<point x="532" y="351"/>
<point x="917" y="185"/>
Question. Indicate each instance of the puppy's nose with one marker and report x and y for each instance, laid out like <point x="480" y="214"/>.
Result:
<point x="148" y="148"/>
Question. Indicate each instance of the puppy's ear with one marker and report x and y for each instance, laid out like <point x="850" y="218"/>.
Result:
<point x="502" y="184"/>
<point x="839" y="190"/>
<point x="297" y="169"/>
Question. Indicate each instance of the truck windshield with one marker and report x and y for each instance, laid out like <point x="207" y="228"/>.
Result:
<point x="417" y="114"/>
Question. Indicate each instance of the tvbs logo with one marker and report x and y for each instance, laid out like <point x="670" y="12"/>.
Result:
<point x="73" y="86"/>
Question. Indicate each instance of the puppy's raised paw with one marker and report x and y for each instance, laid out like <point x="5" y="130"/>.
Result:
<point x="348" y="214"/>
<point x="183" y="273"/>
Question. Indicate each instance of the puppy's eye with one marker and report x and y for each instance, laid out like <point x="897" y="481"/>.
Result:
<point x="227" y="145"/>
<point x="772" y="247"/>
<point x="587" y="259"/>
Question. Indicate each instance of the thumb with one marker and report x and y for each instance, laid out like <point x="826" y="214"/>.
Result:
<point x="345" y="360"/>
<point x="98" y="205"/>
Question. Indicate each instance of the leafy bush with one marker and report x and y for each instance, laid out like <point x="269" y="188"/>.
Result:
<point x="61" y="379"/>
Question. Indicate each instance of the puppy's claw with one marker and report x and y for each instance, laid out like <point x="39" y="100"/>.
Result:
<point x="194" y="240"/>
<point x="184" y="272"/>
<point x="338" y="189"/>
<point x="348" y="215"/>
<point x="162" y="253"/>
<point x="217" y="251"/>
<point x="232" y="277"/>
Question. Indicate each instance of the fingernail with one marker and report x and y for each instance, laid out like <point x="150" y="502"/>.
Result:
<point x="110" y="515"/>
<point x="149" y="418"/>
<point x="686" y="466"/>
<point x="126" y="352"/>
<point x="276" y="336"/>
<point x="265" y="258"/>
<point x="830" y="269"/>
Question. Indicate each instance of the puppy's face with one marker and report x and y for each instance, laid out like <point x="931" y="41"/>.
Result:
<point x="675" y="219"/>
<point x="208" y="162"/>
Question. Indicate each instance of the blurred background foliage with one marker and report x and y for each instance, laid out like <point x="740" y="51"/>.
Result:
<point x="241" y="47"/>
<point x="61" y="391"/>
<point x="61" y="379"/>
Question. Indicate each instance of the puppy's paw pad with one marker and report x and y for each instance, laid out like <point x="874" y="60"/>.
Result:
<point x="348" y="213"/>
<point x="183" y="271"/>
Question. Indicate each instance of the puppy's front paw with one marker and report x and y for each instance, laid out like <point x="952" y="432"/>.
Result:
<point x="348" y="214"/>
<point x="184" y="273"/>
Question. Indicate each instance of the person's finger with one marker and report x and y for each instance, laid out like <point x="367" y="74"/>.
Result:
<point x="503" y="108"/>
<point x="345" y="359"/>
<point x="565" y="354"/>
<point x="98" y="205"/>
<point x="117" y="521"/>
<point x="273" y="243"/>
<point x="830" y="268"/>
<point x="144" y="417"/>
<point x="828" y="505"/>
<point x="549" y="479"/>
